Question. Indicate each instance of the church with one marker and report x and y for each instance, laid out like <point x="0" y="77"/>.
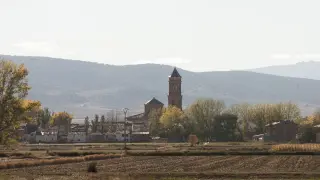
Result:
<point x="140" y="121"/>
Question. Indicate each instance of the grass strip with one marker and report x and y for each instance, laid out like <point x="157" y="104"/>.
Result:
<point x="31" y="163"/>
<point x="219" y="153"/>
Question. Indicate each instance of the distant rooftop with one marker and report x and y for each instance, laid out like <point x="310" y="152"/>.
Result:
<point x="154" y="101"/>
<point x="175" y="73"/>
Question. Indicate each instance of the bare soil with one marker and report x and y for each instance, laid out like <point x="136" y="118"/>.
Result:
<point x="193" y="167"/>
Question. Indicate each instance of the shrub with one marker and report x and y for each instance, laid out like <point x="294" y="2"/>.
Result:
<point x="193" y="139"/>
<point x="296" y="148"/>
<point x="92" y="167"/>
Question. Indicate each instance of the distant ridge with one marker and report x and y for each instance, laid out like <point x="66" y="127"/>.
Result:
<point x="86" y="88"/>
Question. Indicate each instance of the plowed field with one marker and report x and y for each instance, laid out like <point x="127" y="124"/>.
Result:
<point x="213" y="164"/>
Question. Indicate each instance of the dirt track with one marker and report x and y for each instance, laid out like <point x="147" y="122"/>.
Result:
<point x="213" y="164"/>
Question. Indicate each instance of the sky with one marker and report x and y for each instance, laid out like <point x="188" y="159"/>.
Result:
<point x="196" y="35"/>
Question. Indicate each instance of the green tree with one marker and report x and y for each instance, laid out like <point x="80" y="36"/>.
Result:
<point x="225" y="126"/>
<point x="95" y="123"/>
<point x="14" y="109"/>
<point x="245" y="114"/>
<point x="102" y="121"/>
<point x="44" y="118"/>
<point x="86" y="124"/>
<point x="202" y="113"/>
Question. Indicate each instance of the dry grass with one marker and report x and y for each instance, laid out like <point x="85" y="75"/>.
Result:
<point x="296" y="148"/>
<point x="20" y="164"/>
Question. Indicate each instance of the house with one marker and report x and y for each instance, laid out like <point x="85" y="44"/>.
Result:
<point x="140" y="121"/>
<point x="41" y="136"/>
<point x="317" y="132"/>
<point x="282" y="131"/>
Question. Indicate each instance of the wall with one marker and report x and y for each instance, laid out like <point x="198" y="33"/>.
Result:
<point x="46" y="138"/>
<point x="318" y="137"/>
<point x="77" y="137"/>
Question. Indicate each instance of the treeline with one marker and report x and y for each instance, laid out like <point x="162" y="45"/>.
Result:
<point x="210" y="120"/>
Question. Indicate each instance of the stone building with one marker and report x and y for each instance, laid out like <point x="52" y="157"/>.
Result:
<point x="175" y="95"/>
<point x="140" y="121"/>
<point x="282" y="131"/>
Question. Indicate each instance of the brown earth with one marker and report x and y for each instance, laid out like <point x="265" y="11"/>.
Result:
<point x="213" y="167"/>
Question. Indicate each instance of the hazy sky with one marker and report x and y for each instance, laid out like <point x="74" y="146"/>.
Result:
<point x="197" y="35"/>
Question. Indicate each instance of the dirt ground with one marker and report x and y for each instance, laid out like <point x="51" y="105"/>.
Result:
<point x="219" y="167"/>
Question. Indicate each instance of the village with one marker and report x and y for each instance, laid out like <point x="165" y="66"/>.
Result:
<point x="136" y="128"/>
<point x="133" y="128"/>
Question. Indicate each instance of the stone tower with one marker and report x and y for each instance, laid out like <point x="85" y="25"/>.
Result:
<point x="175" y="96"/>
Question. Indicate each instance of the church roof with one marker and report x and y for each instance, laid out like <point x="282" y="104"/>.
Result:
<point x="136" y="116"/>
<point x="175" y="73"/>
<point x="154" y="101"/>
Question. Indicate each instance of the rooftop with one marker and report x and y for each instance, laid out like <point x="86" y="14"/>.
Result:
<point x="154" y="101"/>
<point x="175" y="73"/>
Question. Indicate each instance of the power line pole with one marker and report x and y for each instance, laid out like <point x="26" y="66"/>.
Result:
<point x="125" y="110"/>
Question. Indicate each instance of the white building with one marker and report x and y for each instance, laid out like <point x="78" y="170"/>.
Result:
<point x="43" y="137"/>
<point x="78" y="137"/>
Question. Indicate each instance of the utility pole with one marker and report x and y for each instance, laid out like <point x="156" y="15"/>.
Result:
<point x="125" y="110"/>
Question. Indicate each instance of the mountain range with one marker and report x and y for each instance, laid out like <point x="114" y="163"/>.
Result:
<point x="309" y="69"/>
<point x="86" y="88"/>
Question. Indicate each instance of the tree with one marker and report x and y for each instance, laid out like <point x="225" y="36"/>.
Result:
<point x="44" y="118"/>
<point x="95" y="123"/>
<point x="202" y="113"/>
<point x="155" y="126"/>
<point x="225" y="126"/>
<point x="62" y="119"/>
<point x="102" y="121"/>
<point x="173" y="120"/>
<point x="245" y="114"/>
<point x="86" y="124"/>
<point x="14" y="109"/>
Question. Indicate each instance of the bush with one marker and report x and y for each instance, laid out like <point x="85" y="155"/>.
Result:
<point x="193" y="140"/>
<point x="92" y="167"/>
<point x="296" y="148"/>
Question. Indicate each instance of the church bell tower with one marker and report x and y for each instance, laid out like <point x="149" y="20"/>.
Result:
<point x="175" y="95"/>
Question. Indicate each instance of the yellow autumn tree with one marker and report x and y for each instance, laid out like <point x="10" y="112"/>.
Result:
<point x="313" y="119"/>
<point x="171" y="116"/>
<point x="31" y="108"/>
<point x="14" y="108"/>
<point x="173" y="122"/>
<point x="62" y="119"/>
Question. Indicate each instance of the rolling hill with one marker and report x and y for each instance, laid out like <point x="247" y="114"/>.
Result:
<point x="86" y="88"/>
<point x="309" y="69"/>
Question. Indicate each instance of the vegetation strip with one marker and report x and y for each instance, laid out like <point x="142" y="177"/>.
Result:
<point x="75" y="153"/>
<point x="241" y="175"/>
<point x="219" y="153"/>
<point x="21" y="164"/>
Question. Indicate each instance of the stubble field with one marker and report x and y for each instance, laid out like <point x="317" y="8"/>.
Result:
<point x="193" y="167"/>
<point x="145" y="167"/>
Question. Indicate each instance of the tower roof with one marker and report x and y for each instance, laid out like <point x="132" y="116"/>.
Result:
<point x="175" y="73"/>
<point x="154" y="101"/>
